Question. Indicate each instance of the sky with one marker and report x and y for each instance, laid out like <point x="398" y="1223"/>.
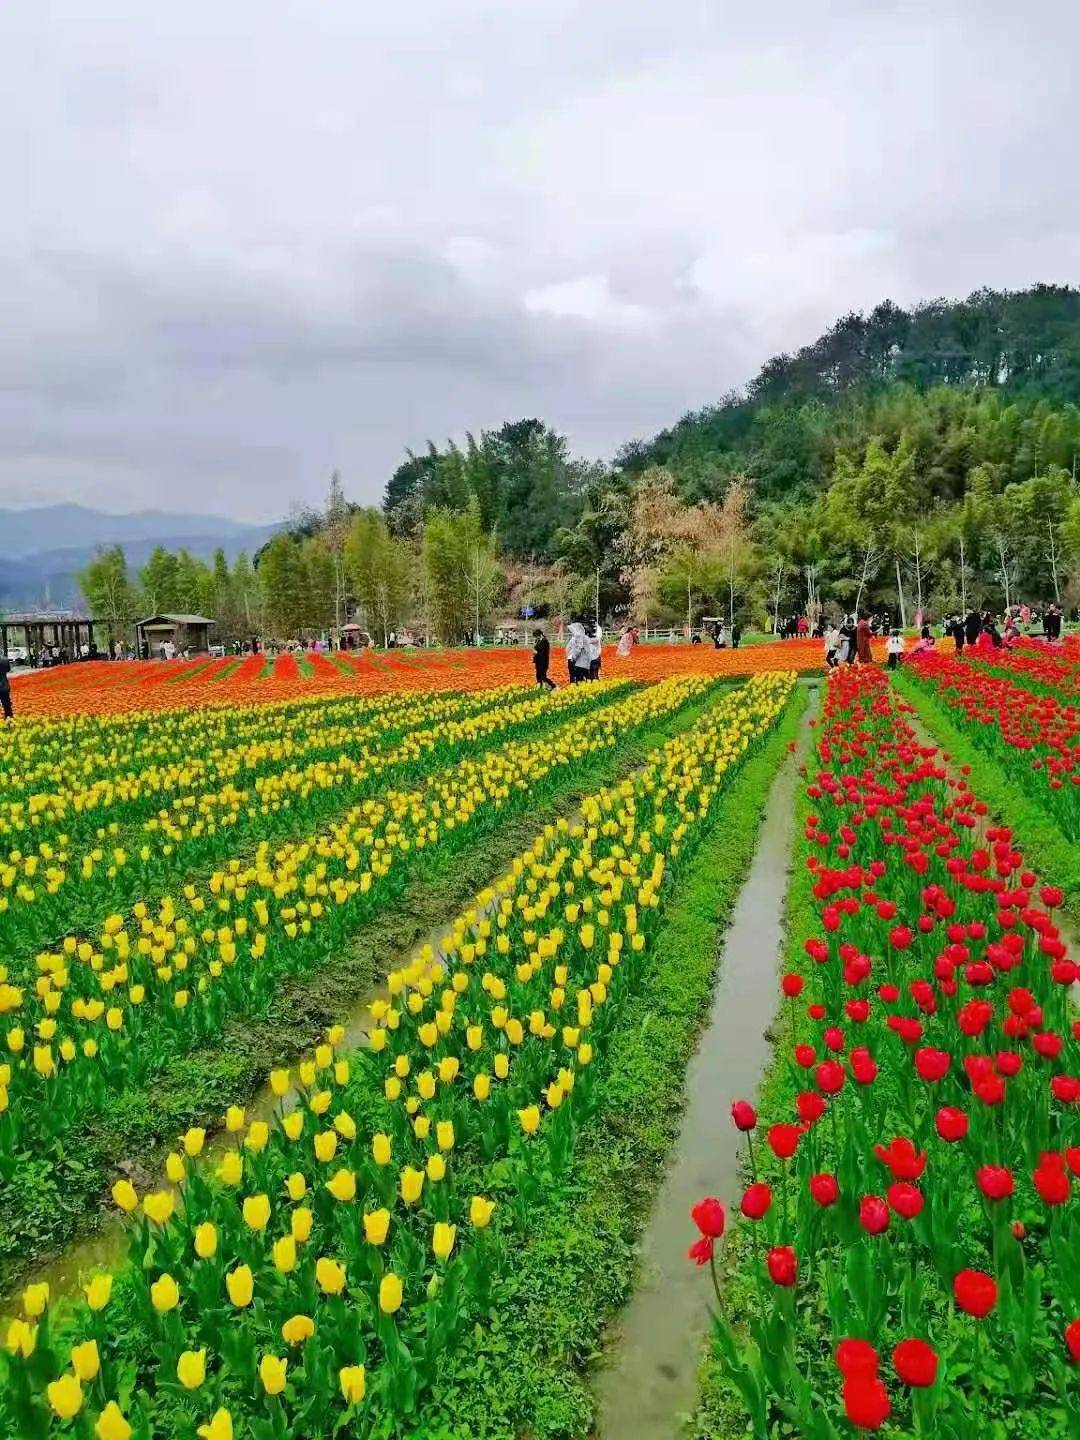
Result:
<point x="244" y="244"/>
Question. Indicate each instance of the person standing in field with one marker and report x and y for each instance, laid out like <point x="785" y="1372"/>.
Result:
<point x="594" y="649"/>
<point x="577" y="656"/>
<point x="832" y="646"/>
<point x="5" y="688"/>
<point x="626" y="643"/>
<point x="542" y="659"/>
<point x="863" y="653"/>
<point x="894" y="647"/>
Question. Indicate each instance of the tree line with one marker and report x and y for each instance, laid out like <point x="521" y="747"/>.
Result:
<point x="916" y="459"/>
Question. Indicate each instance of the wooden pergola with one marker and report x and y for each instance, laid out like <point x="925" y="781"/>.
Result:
<point x="44" y="629"/>
<point x="183" y="631"/>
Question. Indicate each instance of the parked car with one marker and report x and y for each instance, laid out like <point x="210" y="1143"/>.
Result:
<point x="18" y="654"/>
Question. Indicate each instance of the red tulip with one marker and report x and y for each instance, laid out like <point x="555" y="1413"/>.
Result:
<point x="901" y="1158"/>
<point x="810" y="1106"/>
<point x="916" y="1363"/>
<point x="932" y="1065"/>
<point x="873" y="1214"/>
<point x="743" y="1115"/>
<point x="1047" y="1044"/>
<point x="1051" y="1180"/>
<point x="784" y="1140"/>
<point x="1066" y="1088"/>
<point x="708" y="1216"/>
<point x="995" y="1181"/>
<point x="976" y="1292"/>
<point x="1051" y="896"/>
<point x="824" y="1189"/>
<point x="783" y="1265"/>
<point x="900" y="937"/>
<point x="792" y="985"/>
<point x="1072" y="1339"/>
<point x="1072" y="1159"/>
<point x="856" y="1357"/>
<point x="866" y="1401"/>
<point x="701" y="1252"/>
<point x="952" y="1124"/>
<point x="805" y="1056"/>
<point x="906" y="1199"/>
<point x="756" y="1201"/>
<point x="830" y="1077"/>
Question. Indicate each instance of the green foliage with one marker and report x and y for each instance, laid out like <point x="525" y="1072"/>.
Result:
<point x="380" y="569"/>
<point x="462" y="578"/>
<point x="109" y="591"/>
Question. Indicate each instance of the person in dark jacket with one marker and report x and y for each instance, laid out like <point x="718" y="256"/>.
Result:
<point x="542" y="659"/>
<point x="5" y="687"/>
<point x="956" y="630"/>
<point x="972" y="627"/>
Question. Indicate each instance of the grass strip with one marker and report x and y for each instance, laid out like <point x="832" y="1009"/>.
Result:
<point x="1055" y="856"/>
<point x="526" y="1371"/>
<point x="53" y="1199"/>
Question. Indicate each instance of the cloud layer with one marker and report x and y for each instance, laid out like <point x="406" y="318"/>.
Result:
<point x="245" y="244"/>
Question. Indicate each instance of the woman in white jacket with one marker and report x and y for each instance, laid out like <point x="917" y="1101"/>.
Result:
<point x="577" y="652"/>
<point x="594" y="640"/>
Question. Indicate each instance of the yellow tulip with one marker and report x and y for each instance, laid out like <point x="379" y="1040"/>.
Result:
<point x="444" y="1134"/>
<point x="330" y="1276"/>
<point x="298" y="1329"/>
<point x="376" y="1226"/>
<point x="343" y="1186"/>
<point x="219" y="1428"/>
<point x="296" y="1186"/>
<point x="123" y="1194"/>
<point x="205" y="1241"/>
<point x="35" y="1298"/>
<point x="241" y="1286"/>
<point x="231" y="1169"/>
<point x="285" y="1255"/>
<point x="194" y="1140"/>
<point x="380" y="1149"/>
<point x="191" y="1369"/>
<point x="480" y="1212"/>
<point x="65" y="1396"/>
<point x="257" y="1136"/>
<point x="502" y="1065"/>
<point x="98" y="1291"/>
<point x="165" y="1294"/>
<point x="425" y="1085"/>
<point x="390" y="1293"/>
<point x="175" y="1169"/>
<point x="279" y="1082"/>
<point x="412" y="1183"/>
<point x="256" y="1211"/>
<point x="21" y="1338"/>
<point x="442" y="1240"/>
<point x="353" y="1382"/>
<point x="111" y="1424"/>
<point x="300" y="1225"/>
<point x="345" y="1125"/>
<point x="529" y="1119"/>
<point x="482" y="1086"/>
<point x="326" y="1146"/>
<point x="272" y="1374"/>
<point x="85" y="1360"/>
<point x="293" y="1124"/>
<point x="436" y="1168"/>
<point x="234" y="1119"/>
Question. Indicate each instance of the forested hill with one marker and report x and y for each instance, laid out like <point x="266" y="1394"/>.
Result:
<point x="864" y="377"/>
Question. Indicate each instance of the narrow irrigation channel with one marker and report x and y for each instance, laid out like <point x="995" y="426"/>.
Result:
<point x="650" y="1381"/>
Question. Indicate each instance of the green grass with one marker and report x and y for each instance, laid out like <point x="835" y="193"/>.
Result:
<point x="49" y="1204"/>
<point x="1051" y="853"/>
<point x="525" y="1372"/>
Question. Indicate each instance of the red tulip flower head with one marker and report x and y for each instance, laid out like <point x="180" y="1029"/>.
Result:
<point x="873" y="1214"/>
<point x="743" y="1115"/>
<point x="708" y="1216"/>
<point x="1072" y="1340"/>
<point x="995" y="1182"/>
<point x="783" y="1265"/>
<point x="784" y="1140"/>
<point x="976" y="1292"/>
<point x="701" y="1251"/>
<point x="902" y="1159"/>
<point x="856" y="1357"/>
<point x="952" y="1124"/>
<point x="866" y="1401"/>
<point x="756" y="1201"/>
<point x="916" y="1363"/>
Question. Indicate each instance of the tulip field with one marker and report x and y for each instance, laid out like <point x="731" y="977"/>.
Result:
<point x="905" y="1253"/>
<point x="349" y="1002"/>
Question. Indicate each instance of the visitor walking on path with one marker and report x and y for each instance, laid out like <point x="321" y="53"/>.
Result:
<point x="894" y="647"/>
<point x="832" y="646"/>
<point x="862" y="641"/>
<point x="5" y="688"/>
<point x="542" y="659"/>
<point x="577" y="653"/>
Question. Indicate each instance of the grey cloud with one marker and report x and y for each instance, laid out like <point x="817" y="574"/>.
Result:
<point x="242" y="245"/>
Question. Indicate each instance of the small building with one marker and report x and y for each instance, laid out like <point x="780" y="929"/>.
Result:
<point x="62" y="630"/>
<point x="184" y="632"/>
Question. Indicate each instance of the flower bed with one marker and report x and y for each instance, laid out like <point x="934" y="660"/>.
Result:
<point x="907" y="1243"/>
<point x="318" y="1278"/>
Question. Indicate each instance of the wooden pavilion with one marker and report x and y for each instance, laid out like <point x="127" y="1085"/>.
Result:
<point x="186" y="632"/>
<point x="64" y="630"/>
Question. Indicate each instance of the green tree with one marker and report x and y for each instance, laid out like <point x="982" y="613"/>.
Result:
<point x="379" y="567"/>
<point x="461" y="572"/>
<point x="282" y="583"/>
<point x="109" y="592"/>
<point x="160" y="583"/>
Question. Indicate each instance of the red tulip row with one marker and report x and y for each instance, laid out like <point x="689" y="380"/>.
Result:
<point x="1033" y="666"/>
<point x="910" y="1238"/>
<point x="1036" y="737"/>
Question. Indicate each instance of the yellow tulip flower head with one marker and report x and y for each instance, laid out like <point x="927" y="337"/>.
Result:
<point x="412" y="1183"/>
<point x="279" y="1082"/>
<point x="98" y="1291"/>
<point x="191" y="1369"/>
<point x="205" y="1240"/>
<point x="529" y="1119"/>
<point x="343" y="1186"/>
<point x="111" y="1424"/>
<point x="219" y="1428"/>
<point x="124" y="1196"/>
<point x="165" y="1294"/>
<point x="234" y="1119"/>
<point x="444" y="1134"/>
<point x="35" y="1298"/>
<point x="257" y="1137"/>
<point x="241" y="1286"/>
<point x="330" y="1276"/>
<point x="353" y="1382"/>
<point x="381" y="1149"/>
<point x="436" y="1168"/>
<point x="298" y="1329"/>
<point x="194" y="1140"/>
<point x="376" y="1226"/>
<point x="390" y="1293"/>
<point x="256" y="1211"/>
<point x="296" y="1186"/>
<point x="231" y="1169"/>
<point x="442" y="1240"/>
<point x="272" y="1374"/>
<point x="175" y="1168"/>
<point x="480" y="1212"/>
<point x="300" y="1224"/>
<point x="85" y="1360"/>
<point x="21" y="1338"/>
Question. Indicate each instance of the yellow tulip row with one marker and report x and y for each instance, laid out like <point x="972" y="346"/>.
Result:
<point x="466" y="1039"/>
<point x="165" y="969"/>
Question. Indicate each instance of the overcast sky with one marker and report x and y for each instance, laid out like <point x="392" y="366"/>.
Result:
<point x="243" y="242"/>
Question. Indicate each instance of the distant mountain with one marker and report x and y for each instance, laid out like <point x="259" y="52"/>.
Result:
<point x="42" y="550"/>
<point x="49" y="528"/>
